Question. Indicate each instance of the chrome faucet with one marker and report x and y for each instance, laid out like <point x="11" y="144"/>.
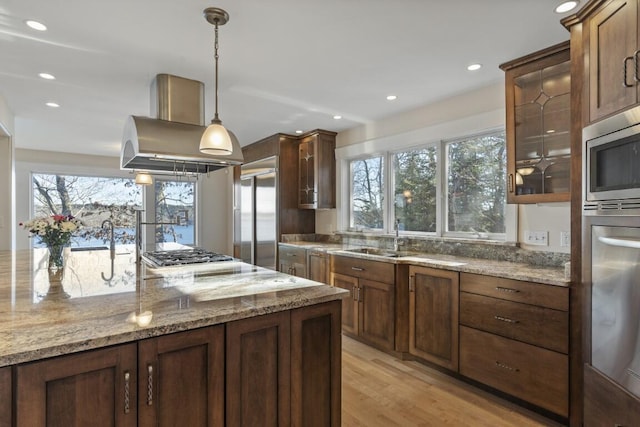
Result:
<point x="397" y="236"/>
<point x="112" y="247"/>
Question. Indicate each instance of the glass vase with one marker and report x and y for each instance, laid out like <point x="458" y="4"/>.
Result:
<point x="55" y="269"/>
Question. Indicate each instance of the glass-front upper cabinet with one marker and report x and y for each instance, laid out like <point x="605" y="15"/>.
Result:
<point x="538" y="100"/>
<point x="317" y="170"/>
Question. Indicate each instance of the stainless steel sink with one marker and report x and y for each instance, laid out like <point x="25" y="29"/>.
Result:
<point x="379" y="252"/>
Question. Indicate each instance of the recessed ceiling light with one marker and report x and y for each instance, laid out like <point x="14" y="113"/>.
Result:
<point x="52" y="104"/>
<point x="298" y="131"/>
<point x="392" y="98"/>
<point x="566" y="6"/>
<point x="474" y="67"/>
<point x="337" y="117"/>
<point x="47" y="76"/>
<point x="36" y="25"/>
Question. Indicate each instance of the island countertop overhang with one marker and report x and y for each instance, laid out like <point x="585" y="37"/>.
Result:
<point x="33" y="327"/>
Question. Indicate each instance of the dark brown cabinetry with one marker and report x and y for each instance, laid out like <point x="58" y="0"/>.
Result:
<point x="606" y="403"/>
<point x="514" y="337"/>
<point x="292" y="260"/>
<point x="181" y="379"/>
<point x="258" y="375"/>
<point x="317" y="170"/>
<point x="538" y="99"/>
<point x="318" y="266"/>
<point x="96" y="388"/>
<point x="433" y="315"/>
<point x="611" y="46"/>
<point x="369" y="312"/>
<point x="6" y="410"/>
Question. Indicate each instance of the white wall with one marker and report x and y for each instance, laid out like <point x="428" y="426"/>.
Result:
<point x="7" y="194"/>
<point x="460" y="115"/>
<point x="212" y="198"/>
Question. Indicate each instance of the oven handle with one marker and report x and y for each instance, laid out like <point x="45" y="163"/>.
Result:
<point x="620" y="242"/>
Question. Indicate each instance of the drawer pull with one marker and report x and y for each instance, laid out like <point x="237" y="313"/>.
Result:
<point x="127" y="377"/>
<point x="150" y="385"/>
<point x="509" y="290"/>
<point x="506" y="367"/>
<point x="357" y="269"/>
<point x="505" y="319"/>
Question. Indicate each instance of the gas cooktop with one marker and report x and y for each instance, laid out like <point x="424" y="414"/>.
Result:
<point x="183" y="257"/>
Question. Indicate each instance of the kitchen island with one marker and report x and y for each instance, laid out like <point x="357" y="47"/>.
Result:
<point x="220" y="343"/>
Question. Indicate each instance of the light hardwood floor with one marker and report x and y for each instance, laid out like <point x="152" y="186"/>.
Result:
<point x="381" y="390"/>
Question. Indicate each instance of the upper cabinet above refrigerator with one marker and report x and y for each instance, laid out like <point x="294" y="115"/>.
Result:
<point x="317" y="170"/>
<point x="538" y="100"/>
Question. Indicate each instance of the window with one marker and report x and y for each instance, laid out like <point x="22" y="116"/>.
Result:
<point x="476" y="170"/>
<point x="447" y="188"/>
<point x="415" y="174"/>
<point x="96" y="199"/>
<point x="175" y="201"/>
<point x="367" y="193"/>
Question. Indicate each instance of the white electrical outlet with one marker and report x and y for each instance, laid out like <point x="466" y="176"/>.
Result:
<point x="540" y="238"/>
<point x="565" y="239"/>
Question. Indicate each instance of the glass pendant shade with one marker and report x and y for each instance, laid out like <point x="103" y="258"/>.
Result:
<point x="143" y="178"/>
<point x="216" y="140"/>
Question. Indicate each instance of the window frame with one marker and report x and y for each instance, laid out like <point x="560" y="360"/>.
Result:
<point x="345" y="182"/>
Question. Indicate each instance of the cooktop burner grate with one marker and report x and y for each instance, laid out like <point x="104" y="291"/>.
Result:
<point x="183" y="257"/>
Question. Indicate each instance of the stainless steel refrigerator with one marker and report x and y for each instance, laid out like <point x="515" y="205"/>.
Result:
<point x="258" y="221"/>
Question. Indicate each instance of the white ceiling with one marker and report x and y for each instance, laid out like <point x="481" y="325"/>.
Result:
<point x="284" y="64"/>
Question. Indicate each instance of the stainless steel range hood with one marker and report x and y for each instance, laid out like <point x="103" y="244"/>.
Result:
<point x="170" y="142"/>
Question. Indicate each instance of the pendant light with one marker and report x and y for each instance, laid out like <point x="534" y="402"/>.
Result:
<point x="143" y="178"/>
<point x="215" y="139"/>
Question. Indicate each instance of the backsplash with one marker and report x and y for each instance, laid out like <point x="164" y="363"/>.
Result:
<point x="499" y="251"/>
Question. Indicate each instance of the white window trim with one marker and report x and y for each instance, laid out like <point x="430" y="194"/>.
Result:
<point x="347" y="154"/>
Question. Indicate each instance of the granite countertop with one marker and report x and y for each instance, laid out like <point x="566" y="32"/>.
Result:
<point x="511" y="270"/>
<point x="92" y="312"/>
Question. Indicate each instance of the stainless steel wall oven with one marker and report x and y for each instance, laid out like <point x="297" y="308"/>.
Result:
<point x="611" y="246"/>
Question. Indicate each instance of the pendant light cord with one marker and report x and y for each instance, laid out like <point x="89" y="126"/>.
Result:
<point x="215" y="46"/>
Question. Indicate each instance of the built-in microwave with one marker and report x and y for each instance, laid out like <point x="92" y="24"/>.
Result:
<point x="612" y="162"/>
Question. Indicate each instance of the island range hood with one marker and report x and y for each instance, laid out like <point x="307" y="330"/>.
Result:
<point x="169" y="143"/>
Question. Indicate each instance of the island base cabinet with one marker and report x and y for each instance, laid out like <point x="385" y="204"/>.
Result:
<point x="5" y="397"/>
<point x="316" y="346"/>
<point x="531" y="373"/>
<point x="258" y="371"/>
<point x="181" y="379"/>
<point x="95" y="388"/>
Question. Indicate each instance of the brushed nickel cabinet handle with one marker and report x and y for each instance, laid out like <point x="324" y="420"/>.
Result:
<point x="357" y="269"/>
<point x="127" y="376"/>
<point x="150" y="385"/>
<point x="353" y="294"/>
<point x="635" y="63"/>
<point x="510" y="183"/>
<point x="359" y="299"/>
<point x="506" y="367"/>
<point x="509" y="290"/>
<point x="624" y="71"/>
<point x="505" y="319"/>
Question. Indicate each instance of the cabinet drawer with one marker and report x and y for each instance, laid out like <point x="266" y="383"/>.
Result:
<point x="530" y="373"/>
<point x="291" y="254"/>
<point x="556" y="297"/>
<point x="535" y="325"/>
<point x="373" y="270"/>
<point x="606" y="403"/>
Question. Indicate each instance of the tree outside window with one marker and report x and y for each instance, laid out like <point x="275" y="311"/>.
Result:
<point x="415" y="189"/>
<point x="476" y="169"/>
<point x="367" y="193"/>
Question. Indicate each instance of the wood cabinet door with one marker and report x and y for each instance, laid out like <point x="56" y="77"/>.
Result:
<point x="5" y="396"/>
<point x="349" y="304"/>
<point x="376" y="314"/>
<point x="258" y="371"/>
<point x="433" y="315"/>
<point x="316" y="365"/>
<point x="612" y="34"/>
<point x="606" y="403"/>
<point x="318" y="267"/>
<point x="93" y="388"/>
<point x="181" y="379"/>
